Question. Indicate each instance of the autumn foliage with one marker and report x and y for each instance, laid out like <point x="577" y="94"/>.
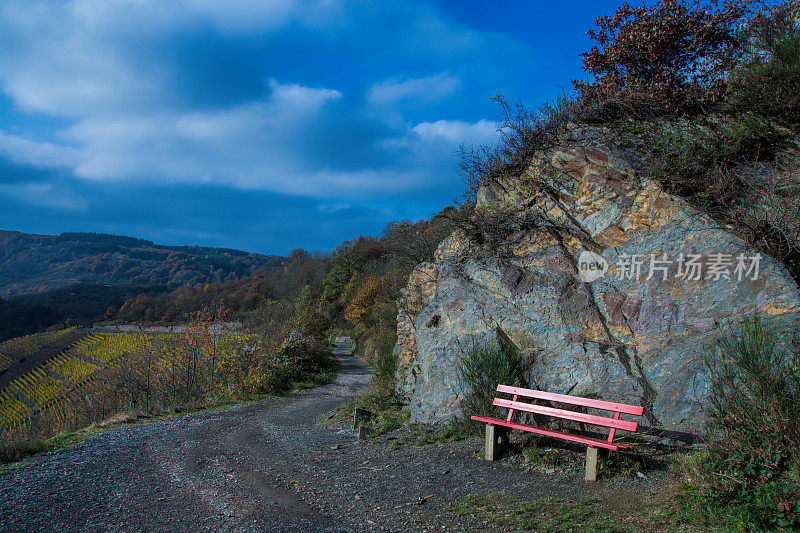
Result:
<point x="364" y="300"/>
<point x="671" y="54"/>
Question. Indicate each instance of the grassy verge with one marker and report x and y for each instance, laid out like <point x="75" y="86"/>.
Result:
<point x="385" y="406"/>
<point x="380" y="398"/>
<point x="663" y="511"/>
<point x="449" y="433"/>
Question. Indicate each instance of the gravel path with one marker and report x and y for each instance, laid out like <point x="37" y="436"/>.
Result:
<point x="270" y="466"/>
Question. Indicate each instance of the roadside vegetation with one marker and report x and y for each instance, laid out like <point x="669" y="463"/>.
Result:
<point x="141" y="375"/>
<point x="485" y="365"/>
<point x="748" y="475"/>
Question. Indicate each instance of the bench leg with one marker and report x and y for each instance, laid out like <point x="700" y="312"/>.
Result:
<point x="591" y="464"/>
<point x="495" y="440"/>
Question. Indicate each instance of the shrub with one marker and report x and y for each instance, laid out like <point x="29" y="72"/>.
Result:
<point x="386" y="361"/>
<point x="307" y="354"/>
<point x="700" y="158"/>
<point x="657" y="58"/>
<point x="753" y="457"/>
<point x="768" y="79"/>
<point x="275" y="376"/>
<point x="363" y="301"/>
<point x="522" y="133"/>
<point x="485" y="365"/>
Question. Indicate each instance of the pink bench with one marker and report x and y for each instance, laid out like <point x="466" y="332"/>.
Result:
<point x="495" y="440"/>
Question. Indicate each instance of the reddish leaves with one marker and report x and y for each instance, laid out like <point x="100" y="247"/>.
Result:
<point x="672" y="54"/>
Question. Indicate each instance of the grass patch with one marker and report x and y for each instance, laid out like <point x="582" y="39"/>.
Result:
<point x="386" y="407"/>
<point x="666" y="510"/>
<point x="317" y="380"/>
<point x="619" y="464"/>
<point x="549" y="515"/>
<point x="449" y="433"/>
<point x="543" y="457"/>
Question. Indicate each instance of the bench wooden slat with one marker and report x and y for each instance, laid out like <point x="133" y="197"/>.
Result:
<point x="568" y="415"/>
<point x="588" y="441"/>
<point x="573" y="400"/>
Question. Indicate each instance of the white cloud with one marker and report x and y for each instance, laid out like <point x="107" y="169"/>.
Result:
<point x="245" y="146"/>
<point x="456" y="132"/>
<point x="298" y="97"/>
<point x="38" y="154"/>
<point x="427" y="89"/>
<point x="90" y="57"/>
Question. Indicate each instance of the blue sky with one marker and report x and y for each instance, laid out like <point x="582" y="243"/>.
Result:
<point x="260" y="125"/>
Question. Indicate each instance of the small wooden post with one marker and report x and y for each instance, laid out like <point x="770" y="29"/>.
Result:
<point x="494" y="441"/>
<point x="591" y="464"/>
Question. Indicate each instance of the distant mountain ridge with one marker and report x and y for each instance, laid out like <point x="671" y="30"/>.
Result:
<point x="31" y="264"/>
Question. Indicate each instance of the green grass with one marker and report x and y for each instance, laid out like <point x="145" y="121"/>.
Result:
<point x="547" y="516"/>
<point x="668" y="509"/>
<point x="616" y="464"/>
<point x="535" y="455"/>
<point x="385" y="406"/>
<point x="317" y="380"/>
<point x="449" y="433"/>
<point x="26" y="453"/>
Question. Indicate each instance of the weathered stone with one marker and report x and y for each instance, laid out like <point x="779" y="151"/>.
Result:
<point x="639" y="341"/>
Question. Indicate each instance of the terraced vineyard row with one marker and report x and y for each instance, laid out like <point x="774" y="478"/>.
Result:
<point x="106" y="348"/>
<point x="14" y="414"/>
<point x="46" y="389"/>
<point x="102" y="374"/>
<point x="5" y="362"/>
<point x="22" y="355"/>
<point x="21" y="347"/>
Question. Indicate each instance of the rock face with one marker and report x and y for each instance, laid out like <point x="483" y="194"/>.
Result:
<point x="637" y="339"/>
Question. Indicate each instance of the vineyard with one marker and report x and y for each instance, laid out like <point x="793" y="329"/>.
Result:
<point x="15" y="350"/>
<point x="105" y="373"/>
<point x="97" y="376"/>
<point x="45" y="389"/>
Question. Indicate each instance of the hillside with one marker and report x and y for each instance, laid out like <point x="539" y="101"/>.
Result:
<point x="38" y="263"/>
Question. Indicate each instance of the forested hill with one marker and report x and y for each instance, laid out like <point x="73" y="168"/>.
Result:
<point x="38" y="263"/>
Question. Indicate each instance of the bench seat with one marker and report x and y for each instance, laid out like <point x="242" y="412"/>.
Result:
<point x="497" y="428"/>
<point x="552" y="433"/>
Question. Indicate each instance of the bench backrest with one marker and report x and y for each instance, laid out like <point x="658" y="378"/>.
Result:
<point x="613" y="423"/>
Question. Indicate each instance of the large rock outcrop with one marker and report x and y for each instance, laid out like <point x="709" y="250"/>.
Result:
<point x="634" y="339"/>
